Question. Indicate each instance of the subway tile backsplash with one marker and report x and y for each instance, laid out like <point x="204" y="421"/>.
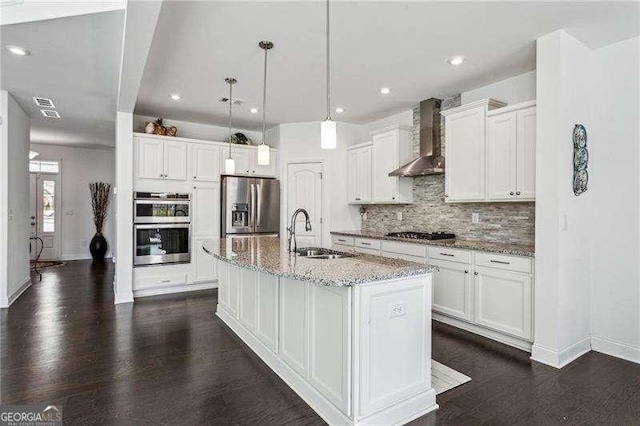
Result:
<point x="499" y="222"/>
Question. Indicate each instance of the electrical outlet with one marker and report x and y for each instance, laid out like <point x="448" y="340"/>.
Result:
<point x="397" y="310"/>
<point x="475" y="217"/>
<point x="83" y="243"/>
<point x="399" y="215"/>
<point x="364" y="215"/>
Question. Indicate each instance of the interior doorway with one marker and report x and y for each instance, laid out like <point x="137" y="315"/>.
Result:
<point x="44" y="208"/>
<point x="304" y="190"/>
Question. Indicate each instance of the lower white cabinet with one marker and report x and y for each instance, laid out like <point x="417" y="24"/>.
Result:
<point x="293" y="324"/>
<point x="452" y="291"/>
<point x="503" y="301"/>
<point x="204" y="266"/>
<point x="267" y="310"/>
<point x="247" y="298"/>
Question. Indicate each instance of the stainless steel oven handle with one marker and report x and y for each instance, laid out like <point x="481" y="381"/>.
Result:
<point x="162" y="226"/>
<point x="177" y="202"/>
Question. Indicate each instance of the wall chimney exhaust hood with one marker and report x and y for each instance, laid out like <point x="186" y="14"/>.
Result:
<point x="431" y="161"/>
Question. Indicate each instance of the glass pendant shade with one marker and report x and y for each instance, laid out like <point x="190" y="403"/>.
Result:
<point x="328" y="136"/>
<point x="263" y="154"/>
<point x="229" y="166"/>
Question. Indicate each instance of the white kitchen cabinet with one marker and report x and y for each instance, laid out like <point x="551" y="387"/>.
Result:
<point x="359" y="162"/>
<point x="293" y="324"/>
<point x="161" y="159"/>
<point x="204" y="265"/>
<point x="233" y="289"/>
<point x="270" y="169"/>
<point x="392" y="148"/>
<point x="501" y="156"/>
<point x="246" y="159"/>
<point x="205" y="161"/>
<point x="526" y="162"/>
<point x="205" y="208"/>
<point x="465" y="143"/>
<point x="329" y="342"/>
<point x="452" y="291"/>
<point x="503" y="301"/>
<point x="511" y="139"/>
<point x="150" y="158"/>
<point x="267" y="310"/>
<point x="247" y="298"/>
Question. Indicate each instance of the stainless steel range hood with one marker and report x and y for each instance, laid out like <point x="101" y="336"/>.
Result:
<point x="431" y="161"/>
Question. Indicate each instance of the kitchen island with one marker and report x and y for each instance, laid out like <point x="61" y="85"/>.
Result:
<point x="350" y="335"/>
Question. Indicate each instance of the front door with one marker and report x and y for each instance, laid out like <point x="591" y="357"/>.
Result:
<point x="44" y="217"/>
<point x="304" y="190"/>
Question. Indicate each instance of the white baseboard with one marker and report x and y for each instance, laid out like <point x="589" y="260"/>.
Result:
<point x="26" y="283"/>
<point x="617" y="349"/>
<point x="182" y="288"/>
<point x="559" y="359"/>
<point x="78" y="256"/>
<point x="484" y="332"/>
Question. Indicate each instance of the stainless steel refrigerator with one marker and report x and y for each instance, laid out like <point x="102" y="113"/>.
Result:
<point x="250" y="206"/>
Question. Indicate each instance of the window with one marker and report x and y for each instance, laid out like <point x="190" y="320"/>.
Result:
<point x="48" y="206"/>
<point x="43" y="166"/>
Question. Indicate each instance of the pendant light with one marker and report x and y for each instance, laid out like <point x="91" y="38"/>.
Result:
<point x="328" y="137"/>
<point x="263" y="148"/>
<point x="229" y="162"/>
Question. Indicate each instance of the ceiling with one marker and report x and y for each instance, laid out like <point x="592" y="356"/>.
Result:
<point x="75" y="62"/>
<point x="402" y="45"/>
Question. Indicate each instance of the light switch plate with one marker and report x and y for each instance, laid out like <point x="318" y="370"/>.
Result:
<point x="475" y="217"/>
<point x="399" y="215"/>
<point x="397" y="310"/>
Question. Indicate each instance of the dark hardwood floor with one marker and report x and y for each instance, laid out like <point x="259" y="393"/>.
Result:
<point x="169" y="360"/>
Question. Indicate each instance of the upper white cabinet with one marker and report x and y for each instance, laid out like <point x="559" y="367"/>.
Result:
<point x="391" y="149"/>
<point x="246" y="159"/>
<point x="159" y="159"/>
<point x="490" y="151"/>
<point x="465" y="140"/>
<point x="205" y="160"/>
<point x="359" y="173"/>
<point x="511" y="153"/>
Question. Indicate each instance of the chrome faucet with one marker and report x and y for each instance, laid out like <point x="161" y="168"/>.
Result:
<point x="292" y="228"/>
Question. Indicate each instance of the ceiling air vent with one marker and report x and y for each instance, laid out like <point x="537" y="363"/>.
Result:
<point x="50" y="113"/>
<point x="44" y="102"/>
<point x="236" y="101"/>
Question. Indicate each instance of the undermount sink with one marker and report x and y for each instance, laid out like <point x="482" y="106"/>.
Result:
<point x="320" y="253"/>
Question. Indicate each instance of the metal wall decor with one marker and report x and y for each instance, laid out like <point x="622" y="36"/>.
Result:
<point x="580" y="160"/>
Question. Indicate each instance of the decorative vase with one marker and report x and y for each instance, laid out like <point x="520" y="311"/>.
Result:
<point x="98" y="247"/>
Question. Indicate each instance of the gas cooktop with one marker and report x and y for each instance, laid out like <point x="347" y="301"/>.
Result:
<point x="422" y="235"/>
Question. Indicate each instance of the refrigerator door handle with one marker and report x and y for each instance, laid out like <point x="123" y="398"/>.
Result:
<point x="252" y="207"/>
<point x="258" y="207"/>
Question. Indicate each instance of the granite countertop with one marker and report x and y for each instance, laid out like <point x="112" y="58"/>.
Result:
<point x="270" y="255"/>
<point x="512" y="249"/>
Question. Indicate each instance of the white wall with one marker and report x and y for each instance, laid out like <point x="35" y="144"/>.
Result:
<point x="614" y="141"/>
<point x="519" y="88"/>
<point x="80" y="166"/>
<point x="14" y="200"/>
<point x="405" y="118"/>
<point x="188" y="129"/>
<point x="301" y="141"/>
<point x="563" y="223"/>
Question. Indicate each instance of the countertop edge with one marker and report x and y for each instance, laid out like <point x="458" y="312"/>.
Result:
<point x="459" y="244"/>
<point x="428" y="269"/>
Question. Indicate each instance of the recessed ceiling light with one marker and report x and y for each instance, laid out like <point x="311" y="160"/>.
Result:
<point x="253" y="110"/>
<point x="339" y="110"/>
<point x="385" y="90"/>
<point x="456" y="60"/>
<point x="17" y="50"/>
<point x="175" y="97"/>
<point x="50" y="113"/>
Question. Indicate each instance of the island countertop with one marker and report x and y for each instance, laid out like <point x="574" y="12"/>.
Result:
<point x="270" y="255"/>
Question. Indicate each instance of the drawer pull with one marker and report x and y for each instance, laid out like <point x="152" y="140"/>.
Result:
<point x="165" y="281"/>
<point x="475" y="273"/>
<point x="448" y="254"/>
<point x="341" y="240"/>
<point x="499" y="261"/>
<point x="466" y="271"/>
<point x="365" y="244"/>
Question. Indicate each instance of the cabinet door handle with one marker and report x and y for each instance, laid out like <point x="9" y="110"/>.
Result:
<point x="366" y="244"/>
<point x="357" y="199"/>
<point x="499" y="261"/>
<point x="165" y="281"/>
<point x="194" y="177"/>
<point x="341" y="240"/>
<point x="511" y="193"/>
<point x="517" y="192"/>
<point x="446" y="195"/>
<point x="466" y="271"/>
<point x="448" y="254"/>
<point x="475" y="273"/>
